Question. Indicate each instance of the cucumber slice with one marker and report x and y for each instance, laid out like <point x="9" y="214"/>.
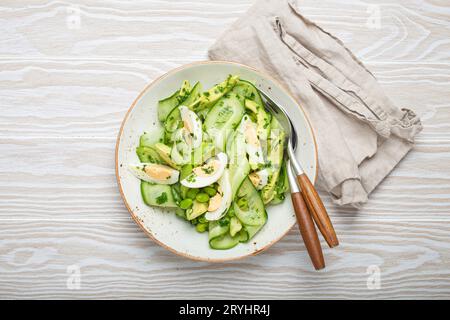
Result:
<point x="238" y="164"/>
<point x="224" y="242"/>
<point x="166" y="105"/>
<point x="255" y="214"/>
<point x="220" y="239"/>
<point x="193" y="95"/>
<point x="250" y="231"/>
<point x="173" y="121"/>
<point x="185" y="96"/>
<point x="223" y="119"/>
<point x="157" y="195"/>
<point x="150" y="138"/>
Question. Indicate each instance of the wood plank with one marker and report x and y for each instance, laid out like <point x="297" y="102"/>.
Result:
<point x="118" y="261"/>
<point x="85" y="98"/>
<point x="75" y="180"/>
<point x="408" y="30"/>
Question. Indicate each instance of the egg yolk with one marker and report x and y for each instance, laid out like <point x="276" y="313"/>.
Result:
<point x="255" y="178"/>
<point x="207" y="169"/>
<point x="214" y="202"/>
<point x="251" y="134"/>
<point x="158" y="172"/>
<point x="188" y="125"/>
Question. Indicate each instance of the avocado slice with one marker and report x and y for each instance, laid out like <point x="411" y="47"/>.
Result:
<point x="235" y="226"/>
<point x="263" y="120"/>
<point x="275" y="158"/>
<point x="198" y="208"/>
<point x="148" y="155"/>
<point x="164" y="153"/>
<point x="210" y="97"/>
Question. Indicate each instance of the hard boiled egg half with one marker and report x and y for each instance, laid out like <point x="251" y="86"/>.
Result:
<point x="155" y="173"/>
<point x="259" y="178"/>
<point x="252" y="143"/>
<point x="208" y="173"/>
<point x="192" y="126"/>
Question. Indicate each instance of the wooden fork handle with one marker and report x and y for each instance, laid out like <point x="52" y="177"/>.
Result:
<point x="308" y="231"/>
<point x="317" y="210"/>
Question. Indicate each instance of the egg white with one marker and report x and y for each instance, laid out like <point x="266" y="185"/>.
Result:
<point x="263" y="176"/>
<point x="192" y="124"/>
<point x="138" y="171"/>
<point x="254" y="150"/>
<point x="194" y="181"/>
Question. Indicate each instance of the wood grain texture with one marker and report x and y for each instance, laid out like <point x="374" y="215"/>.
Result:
<point x="69" y="73"/>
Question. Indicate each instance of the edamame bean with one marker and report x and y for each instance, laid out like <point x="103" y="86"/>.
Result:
<point x="201" y="227"/>
<point x="210" y="191"/>
<point x="186" y="203"/>
<point x="192" y="193"/>
<point x="202" y="197"/>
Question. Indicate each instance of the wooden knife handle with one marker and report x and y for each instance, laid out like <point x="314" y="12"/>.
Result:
<point x="308" y="231"/>
<point x="317" y="210"/>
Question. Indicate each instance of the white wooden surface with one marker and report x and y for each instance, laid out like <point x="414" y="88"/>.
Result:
<point x="69" y="73"/>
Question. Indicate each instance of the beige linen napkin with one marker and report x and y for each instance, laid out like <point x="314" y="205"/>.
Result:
<point x="361" y="135"/>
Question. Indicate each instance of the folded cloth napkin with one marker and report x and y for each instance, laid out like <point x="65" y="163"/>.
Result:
<point x="361" y="135"/>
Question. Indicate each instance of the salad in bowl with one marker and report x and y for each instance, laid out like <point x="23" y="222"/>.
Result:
<point x="216" y="160"/>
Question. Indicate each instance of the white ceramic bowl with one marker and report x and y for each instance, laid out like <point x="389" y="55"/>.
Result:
<point x="162" y="225"/>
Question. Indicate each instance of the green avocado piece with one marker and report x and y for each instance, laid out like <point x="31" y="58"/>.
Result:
<point x="263" y="120"/>
<point x="235" y="226"/>
<point x="198" y="208"/>
<point x="148" y="155"/>
<point x="164" y="153"/>
<point x="275" y="158"/>
<point x="210" y="97"/>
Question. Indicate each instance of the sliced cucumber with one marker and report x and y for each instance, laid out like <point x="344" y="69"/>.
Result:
<point x="150" y="138"/>
<point x="220" y="238"/>
<point x="193" y="95"/>
<point x="224" y="242"/>
<point x="250" y="231"/>
<point x="255" y="213"/>
<point x="173" y="121"/>
<point x="223" y="119"/>
<point x="238" y="164"/>
<point x="166" y="105"/>
<point x="157" y="195"/>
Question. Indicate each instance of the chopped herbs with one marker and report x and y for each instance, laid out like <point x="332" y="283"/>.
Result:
<point x="162" y="198"/>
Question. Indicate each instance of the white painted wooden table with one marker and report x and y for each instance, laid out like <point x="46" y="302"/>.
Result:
<point x="69" y="73"/>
